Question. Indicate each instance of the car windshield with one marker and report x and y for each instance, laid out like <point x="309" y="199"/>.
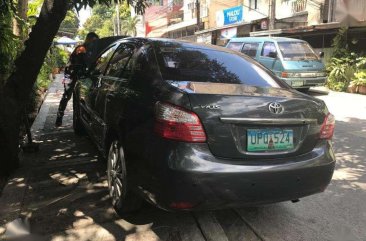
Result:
<point x="297" y="51"/>
<point x="180" y="62"/>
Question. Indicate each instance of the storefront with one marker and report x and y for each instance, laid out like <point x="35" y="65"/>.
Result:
<point x="229" y="24"/>
<point x="183" y="30"/>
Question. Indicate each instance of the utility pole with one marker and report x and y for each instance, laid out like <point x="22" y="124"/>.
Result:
<point x="272" y="15"/>
<point x="198" y="14"/>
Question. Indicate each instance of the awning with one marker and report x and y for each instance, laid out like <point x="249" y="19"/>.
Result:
<point x="65" y="41"/>
<point x="266" y="33"/>
<point x="309" y="29"/>
<point x="221" y="27"/>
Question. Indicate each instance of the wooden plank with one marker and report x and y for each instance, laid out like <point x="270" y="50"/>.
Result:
<point x="235" y="228"/>
<point x="188" y="228"/>
<point x="179" y="226"/>
<point x="210" y="227"/>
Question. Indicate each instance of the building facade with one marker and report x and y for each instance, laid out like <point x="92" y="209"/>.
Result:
<point x="216" y="21"/>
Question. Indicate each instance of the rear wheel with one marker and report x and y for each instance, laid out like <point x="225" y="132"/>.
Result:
<point x="123" y="199"/>
<point x="77" y="125"/>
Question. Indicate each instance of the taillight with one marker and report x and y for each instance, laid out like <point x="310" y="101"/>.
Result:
<point x="173" y="122"/>
<point x="327" y="129"/>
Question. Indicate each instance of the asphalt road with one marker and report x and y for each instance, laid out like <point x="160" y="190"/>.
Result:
<point x="63" y="193"/>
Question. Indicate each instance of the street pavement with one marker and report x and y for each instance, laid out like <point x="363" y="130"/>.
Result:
<point x="60" y="193"/>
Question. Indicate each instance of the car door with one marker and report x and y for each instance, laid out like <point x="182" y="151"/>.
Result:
<point x="268" y="56"/>
<point x="89" y="89"/>
<point x="109" y="101"/>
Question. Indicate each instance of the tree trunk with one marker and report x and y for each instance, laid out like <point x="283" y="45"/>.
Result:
<point x="18" y="23"/>
<point x="18" y="87"/>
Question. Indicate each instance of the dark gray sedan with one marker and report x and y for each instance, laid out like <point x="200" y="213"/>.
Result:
<point x="188" y="126"/>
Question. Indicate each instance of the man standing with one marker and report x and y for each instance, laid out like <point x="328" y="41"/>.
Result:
<point x="77" y="65"/>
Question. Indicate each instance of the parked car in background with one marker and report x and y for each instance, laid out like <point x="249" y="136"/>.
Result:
<point x="291" y="60"/>
<point x="189" y="127"/>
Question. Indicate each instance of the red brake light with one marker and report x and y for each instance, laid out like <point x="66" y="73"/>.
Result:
<point x="176" y="123"/>
<point x="327" y="129"/>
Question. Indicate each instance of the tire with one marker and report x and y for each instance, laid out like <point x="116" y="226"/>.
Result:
<point x="77" y="124"/>
<point x="124" y="201"/>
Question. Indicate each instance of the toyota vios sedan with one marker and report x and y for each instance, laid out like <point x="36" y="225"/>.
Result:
<point x="188" y="126"/>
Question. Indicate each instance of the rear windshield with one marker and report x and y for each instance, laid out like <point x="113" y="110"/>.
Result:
<point x="297" y="51"/>
<point x="181" y="63"/>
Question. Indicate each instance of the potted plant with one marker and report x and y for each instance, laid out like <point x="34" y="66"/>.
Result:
<point x="352" y="88"/>
<point x="360" y="81"/>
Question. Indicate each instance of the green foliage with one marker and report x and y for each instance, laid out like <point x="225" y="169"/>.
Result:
<point x="106" y="29"/>
<point x="129" y="25"/>
<point x="341" y="72"/>
<point x="139" y="5"/>
<point x="340" y="44"/>
<point x="101" y="20"/>
<point x="9" y="43"/>
<point x="360" y="78"/>
<point x="345" y="66"/>
<point x="34" y="8"/>
<point x="361" y="63"/>
<point x="70" y="25"/>
<point x="56" y="58"/>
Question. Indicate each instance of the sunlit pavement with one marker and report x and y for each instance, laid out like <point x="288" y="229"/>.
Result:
<point x="62" y="192"/>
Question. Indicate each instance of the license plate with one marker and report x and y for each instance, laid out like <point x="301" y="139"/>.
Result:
<point x="270" y="140"/>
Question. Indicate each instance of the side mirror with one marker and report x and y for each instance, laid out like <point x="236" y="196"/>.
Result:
<point x="321" y="54"/>
<point x="272" y="55"/>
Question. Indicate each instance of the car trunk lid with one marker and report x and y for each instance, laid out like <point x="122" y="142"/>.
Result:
<point x="231" y="112"/>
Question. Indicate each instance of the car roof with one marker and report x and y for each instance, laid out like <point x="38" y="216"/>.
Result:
<point x="140" y="41"/>
<point x="182" y="43"/>
<point x="261" y="39"/>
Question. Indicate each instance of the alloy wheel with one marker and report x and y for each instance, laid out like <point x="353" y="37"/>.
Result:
<point x="114" y="173"/>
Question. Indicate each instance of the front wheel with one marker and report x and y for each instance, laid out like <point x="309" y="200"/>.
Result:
<point x="123" y="199"/>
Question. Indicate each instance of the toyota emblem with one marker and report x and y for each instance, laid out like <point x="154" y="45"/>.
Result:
<point x="275" y="108"/>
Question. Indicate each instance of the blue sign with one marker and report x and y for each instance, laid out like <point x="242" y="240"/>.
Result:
<point x="233" y="15"/>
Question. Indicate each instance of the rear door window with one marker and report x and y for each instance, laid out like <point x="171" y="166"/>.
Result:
<point x="268" y="47"/>
<point x="182" y="63"/>
<point x="250" y="49"/>
<point x="102" y="62"/>
<point x="235" y="46"/>
<point x="117" y="65"/>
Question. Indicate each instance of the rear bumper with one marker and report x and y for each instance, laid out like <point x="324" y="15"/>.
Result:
<point x="189" y="174"/>
<point x="304" y="83"/>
